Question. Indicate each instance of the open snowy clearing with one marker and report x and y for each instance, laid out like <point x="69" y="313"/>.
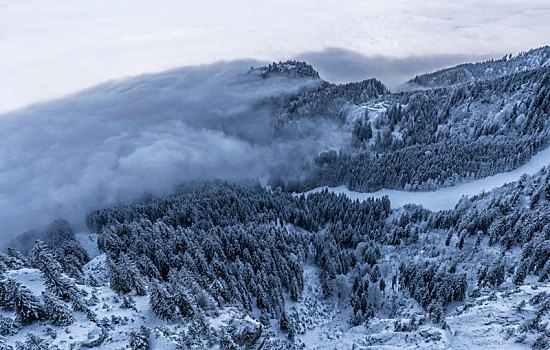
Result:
<point x="448" y="197"/>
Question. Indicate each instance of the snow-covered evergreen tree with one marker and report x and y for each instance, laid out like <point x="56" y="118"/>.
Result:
<point x="139" y="339"/>
<point x="26" y="305"/>
<point x="56" y="311"/>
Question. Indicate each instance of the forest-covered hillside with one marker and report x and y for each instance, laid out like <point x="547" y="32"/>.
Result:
<point x="241" y="265"/>
<point x="470" y="72"/>
<point x="216" y="248"/>
<point x="429" y="138"/>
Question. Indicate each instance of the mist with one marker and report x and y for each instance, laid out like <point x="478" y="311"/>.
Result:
<point x="122" y="139"/>
<point x="339" y="65"/>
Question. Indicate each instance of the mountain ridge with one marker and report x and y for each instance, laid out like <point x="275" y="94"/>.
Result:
<point x="491" y="69"/>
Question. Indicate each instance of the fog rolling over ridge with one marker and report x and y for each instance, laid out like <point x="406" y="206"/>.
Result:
<point x="122" y="139"/>
<point x="340" y="65"/>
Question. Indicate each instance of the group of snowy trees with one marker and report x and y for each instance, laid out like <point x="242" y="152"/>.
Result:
<point x="218" y="244"/>
<point x="510" y="217"/>
<point x="59" y="289"/>
<point x="433" y="287"/>
<point x="469" y="72"/>
<point x="292" y="68"/>
<point x="325" y="101"/>
<point x="508" y="222"/>
<point x="221" y="244"/>
<point x="445" y="134"/>
<point x="60" y="259"/>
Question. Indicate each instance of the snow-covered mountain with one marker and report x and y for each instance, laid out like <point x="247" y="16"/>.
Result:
<point x="471" y="72"/>
<point x="188" y="262"/>
<point x="433" y="137"/>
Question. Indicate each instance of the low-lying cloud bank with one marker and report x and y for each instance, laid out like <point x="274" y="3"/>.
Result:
<point x="339" y="65"/>
<point x="122" y="139"/>
<point x="51" y="48"/>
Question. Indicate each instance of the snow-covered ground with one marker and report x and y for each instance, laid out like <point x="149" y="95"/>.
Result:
<point x="107" y="304"/>
<point x="448" y="197"/>
<point x="88" y="241"/>
<point x="326" y="324"/>
<point x="492" y="321"/>
<point x="488" y="322"/>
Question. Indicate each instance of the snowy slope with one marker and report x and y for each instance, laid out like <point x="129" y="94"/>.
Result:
<point x="488" y="323"/>
<point x="448" y="197"/>
<point x="107" y="305"/>
<point x="88" y="241"/>
<point x="469" y="72"/>
<point x="492" y="322"/>
<point x="489" y="319"/>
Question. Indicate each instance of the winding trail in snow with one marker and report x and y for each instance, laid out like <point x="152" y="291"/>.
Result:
<point x="448" y="197"/>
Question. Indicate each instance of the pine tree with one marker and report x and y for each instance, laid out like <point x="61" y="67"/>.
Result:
<point x="27" y="306"/>
<point x="125" y="277"/>
<point x="291" y="331"/>
<point x="382" y="285"/>
<point x="460" y="243"/>
<point x="448" y="239"/>
<point x="139" y="339"/>
<point x="8" y="326"/>
<point x="161" y="302"/>
<point x="56" y="311"/>
<point x="127" y="302"/>
<point x="375" y="274"/>
<point x="264" y="319"/>
<point x="18" y="260"/>
<point x="72" y="257"/>
<point x="545" y="272"/>
<point x="181" y="283"/>
<point x="7" y="298"/>
<point x="436" y="311"/>
<point x="42" y="258"/>
<point x="284" y="322"/>
<point x="521" y="273"/>
<point x="34" y="342"/>
<point x="119" y="279"/>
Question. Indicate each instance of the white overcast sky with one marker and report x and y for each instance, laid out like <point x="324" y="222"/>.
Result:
<point x="49" y="48"/>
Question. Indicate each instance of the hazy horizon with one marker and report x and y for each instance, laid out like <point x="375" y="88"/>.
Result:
<point x="58" y="47"/>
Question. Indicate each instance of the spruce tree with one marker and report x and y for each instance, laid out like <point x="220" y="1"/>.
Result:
<point x="125" y="277"/>
<point x="7" y="298"/>
<point x="42" y="258"/>
<point x="56" y="311"/>
<point x="26" y="305"/>
<point x="8" y="326"/>
<point x="284" y="322"/>
<point x="34" y="342"/>
<point x="521" y="273"/>
<point x="139" y="339"/>
<point x="161" y="302"/>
